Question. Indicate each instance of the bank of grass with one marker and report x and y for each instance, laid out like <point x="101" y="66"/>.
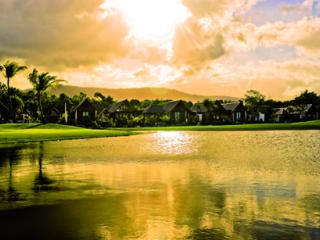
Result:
<point x="14" y="133"/>
<point x="310" y="125"/>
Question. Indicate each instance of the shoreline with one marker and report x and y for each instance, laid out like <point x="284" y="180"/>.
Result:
<point x="34" y="132"/>
<point x="26" y="133"/>
<point x="300" y="126"/>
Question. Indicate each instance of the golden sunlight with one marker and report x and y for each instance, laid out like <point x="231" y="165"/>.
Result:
<point x="150" y="20"/>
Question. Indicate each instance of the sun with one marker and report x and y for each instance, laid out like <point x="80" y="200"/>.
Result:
<point x="150" y="20"/>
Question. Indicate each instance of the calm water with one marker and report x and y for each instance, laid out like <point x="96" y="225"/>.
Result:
<point x="164" y="185"/>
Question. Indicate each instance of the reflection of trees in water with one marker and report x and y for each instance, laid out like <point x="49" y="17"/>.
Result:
<point x="96" y="218"/>
<point x="195" y="200"/>
<point x="10" y="156"/>
<point x="259" y="230"/>
<point x="42" y="182"/>
<point x="214" y="234"/>
<point x="203" y="208"/>
<point x="270" y="230"/>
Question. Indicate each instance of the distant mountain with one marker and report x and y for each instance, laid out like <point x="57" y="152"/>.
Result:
<point x="137" y="93"/>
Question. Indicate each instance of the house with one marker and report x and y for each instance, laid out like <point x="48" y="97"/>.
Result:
<point x="256" y="117"/>
<point x="84" y="112"/>
<point x="303" y="112"/>
<point x="280" y="115"/>
<point x="121" y="112"/>
<point x="201" y="111"/>
<point x="216" y="113"/>
<point x="60" y="111"/>
<point x="177" y="111"/>
<point x="152" y="114"/>
<point x="102" y="110"/>
<point x="297" y="113"/>
<point x="53" y="115"/>
<point x="235" y="111"/>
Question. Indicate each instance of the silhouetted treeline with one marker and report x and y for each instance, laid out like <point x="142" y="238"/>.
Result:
<point x="38" y="105"/>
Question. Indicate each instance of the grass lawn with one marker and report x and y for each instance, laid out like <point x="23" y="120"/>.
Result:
<point x="12" y="133"/>
<point x="311" y="125"/>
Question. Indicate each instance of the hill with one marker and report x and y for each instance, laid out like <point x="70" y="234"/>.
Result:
<point x="136" y="93"/>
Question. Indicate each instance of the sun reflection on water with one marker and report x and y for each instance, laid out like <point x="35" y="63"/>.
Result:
<point x="174" y="143"/>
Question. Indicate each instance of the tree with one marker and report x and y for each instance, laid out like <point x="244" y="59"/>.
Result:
<point x="106" y="101"/>
<point x="255" y="102"/>
<point x="41" y="83"/>
<point x="9" y="70"/>
<point x="306" y="97"/>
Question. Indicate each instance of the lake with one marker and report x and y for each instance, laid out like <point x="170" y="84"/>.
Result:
<point x="164" y="185"/>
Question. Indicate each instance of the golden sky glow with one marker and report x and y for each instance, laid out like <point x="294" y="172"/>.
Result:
<point x="150" y="20"/>
<point x="208" y="47"/>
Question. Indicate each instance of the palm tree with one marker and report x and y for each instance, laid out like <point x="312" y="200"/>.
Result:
<point x="9" y="70"/>
<point x="41" y="83"/>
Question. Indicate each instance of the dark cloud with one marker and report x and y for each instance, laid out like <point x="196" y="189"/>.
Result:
<point x="59" y="33"/>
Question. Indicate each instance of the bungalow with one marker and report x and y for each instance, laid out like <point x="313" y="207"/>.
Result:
<point x="297" y="113"/>
<point x="102" y="111"/>
<point x="152" y="114"/>
<point x="122" y="111"/>
<point x="280" y="115"/>
<point x="201" y="111"/>
<point x="59" y="111"/>
<point x="53" y="115"/>
<point x="256" y="117"/>
<point x="303" y="112"/>
<point x="177" y="111"/>
<point x="84" y="112"/>
<point x="235" y="111"/>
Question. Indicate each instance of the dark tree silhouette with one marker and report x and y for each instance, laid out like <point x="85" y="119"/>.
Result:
<point x="9" y="70"/>
<point x="41" y="83"/>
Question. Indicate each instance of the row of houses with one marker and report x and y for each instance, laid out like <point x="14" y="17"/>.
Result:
<point x="297" y="113"/>
<point x="178" y="113"/>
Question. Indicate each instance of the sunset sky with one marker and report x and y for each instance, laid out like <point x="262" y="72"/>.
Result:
<point x="209" y="47"/>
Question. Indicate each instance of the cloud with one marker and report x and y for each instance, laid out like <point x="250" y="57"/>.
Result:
<point x="280" y="80"/>
<point x="195" y="46"/>
<point x="60" y="33"/>
<point x="304" y="35"/>
<point x="218" y="8"/>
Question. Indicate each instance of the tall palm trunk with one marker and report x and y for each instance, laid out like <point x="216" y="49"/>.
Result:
<point x="40" y="107"/>
<point x="9" y="98"/>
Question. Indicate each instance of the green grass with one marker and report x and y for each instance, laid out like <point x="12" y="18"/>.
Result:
<point x="311" y="125"/>
<point x="34" y="132"/>
<point x="13" y="133"/>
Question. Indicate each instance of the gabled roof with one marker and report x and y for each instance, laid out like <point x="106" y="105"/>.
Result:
<point x="280" y="111"/>
<point x="299" y="108"/>
<point x="82" y="102"/>
<point x="200" y="108"/>
<point x="169" y="106"/>
<point x="231" y="106"/>
<point x="117" y="106"/>
<point x="153" y="108"/>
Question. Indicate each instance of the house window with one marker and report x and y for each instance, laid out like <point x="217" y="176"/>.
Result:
<point x="177" y="116"/>
<point x="85" y="114"/>
<point x="238" y="115"/>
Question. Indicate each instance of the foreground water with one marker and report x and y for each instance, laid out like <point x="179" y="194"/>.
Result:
<point x="164" y="185"/>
